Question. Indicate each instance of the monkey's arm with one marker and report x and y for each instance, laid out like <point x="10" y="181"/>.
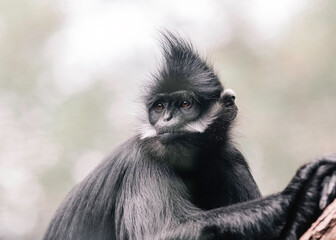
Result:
<point x="286" y="215"/>
<point x="226" y="178"/>
<point x="234" y="182"/>
<point x="239" y="179"/>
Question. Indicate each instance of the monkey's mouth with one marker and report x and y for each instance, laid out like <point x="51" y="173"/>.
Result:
<point x="169" y="136"/>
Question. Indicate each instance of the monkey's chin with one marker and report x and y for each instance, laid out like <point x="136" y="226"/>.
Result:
<point x="170" y="138"/>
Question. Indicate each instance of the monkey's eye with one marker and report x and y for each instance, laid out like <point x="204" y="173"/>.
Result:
<point x="159" y="107"/>
<point x="185" y="104"/>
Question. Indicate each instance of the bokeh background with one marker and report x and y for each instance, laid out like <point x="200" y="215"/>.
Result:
<point x="70" y="72"/>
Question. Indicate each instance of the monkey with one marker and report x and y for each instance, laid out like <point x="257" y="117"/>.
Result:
<point x="182" y="177"/>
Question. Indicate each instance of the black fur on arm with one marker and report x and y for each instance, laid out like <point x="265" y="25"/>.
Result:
<point x="283" y="216"/>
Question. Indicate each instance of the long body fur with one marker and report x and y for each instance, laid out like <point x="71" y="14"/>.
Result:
<point x="131" y="195"/>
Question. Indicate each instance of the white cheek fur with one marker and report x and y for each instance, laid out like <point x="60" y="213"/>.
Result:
<point x="202" y="123"/>
<point x="147" y="130"/>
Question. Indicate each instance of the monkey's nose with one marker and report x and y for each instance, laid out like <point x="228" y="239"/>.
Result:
<point x="167" y="117"/>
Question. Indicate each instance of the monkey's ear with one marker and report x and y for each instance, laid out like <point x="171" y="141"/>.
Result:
<point x="228" y="97"/>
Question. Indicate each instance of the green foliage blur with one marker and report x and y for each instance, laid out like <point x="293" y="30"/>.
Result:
<point x="50" y="138"/>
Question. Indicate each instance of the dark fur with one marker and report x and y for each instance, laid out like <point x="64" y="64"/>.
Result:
<point x="183" y="69"/>
<point x="200" y="188"/>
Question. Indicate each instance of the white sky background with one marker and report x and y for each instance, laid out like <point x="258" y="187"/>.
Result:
<point x="99" y="36"/>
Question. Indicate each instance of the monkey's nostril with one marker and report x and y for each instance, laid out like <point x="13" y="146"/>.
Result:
<point x="168" y="118"/>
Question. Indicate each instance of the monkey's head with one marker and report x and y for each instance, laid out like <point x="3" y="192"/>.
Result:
<point x="186" y="101"/>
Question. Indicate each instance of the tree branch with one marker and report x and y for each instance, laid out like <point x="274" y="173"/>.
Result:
<point x="325" y="226"/>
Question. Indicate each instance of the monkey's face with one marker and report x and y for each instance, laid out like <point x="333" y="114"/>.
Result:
<point x="182" y="117"/>
<point x="170" y="113"/>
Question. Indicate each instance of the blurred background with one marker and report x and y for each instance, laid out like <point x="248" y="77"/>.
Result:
<point x="70" y="72"/>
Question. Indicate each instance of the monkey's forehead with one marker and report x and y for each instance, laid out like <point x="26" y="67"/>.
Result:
<point x="178" y="95"/>
<point x="200" y="86"/>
